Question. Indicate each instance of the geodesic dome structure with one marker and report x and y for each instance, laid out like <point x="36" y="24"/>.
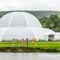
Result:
<point x="18" y="25"/>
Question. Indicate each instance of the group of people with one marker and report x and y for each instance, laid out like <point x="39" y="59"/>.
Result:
<point x="25" y="41"/>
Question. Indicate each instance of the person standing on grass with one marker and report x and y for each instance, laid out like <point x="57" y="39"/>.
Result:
<point x="27" y="41"/>
<point x="34" y="41"/>
<point x="22" y="42"/>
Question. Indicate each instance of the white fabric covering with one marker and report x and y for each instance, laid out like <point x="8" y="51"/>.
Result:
<point x="18" y="25"/>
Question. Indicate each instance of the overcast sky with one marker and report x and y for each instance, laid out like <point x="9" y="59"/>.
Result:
<point x="30" y="5"/>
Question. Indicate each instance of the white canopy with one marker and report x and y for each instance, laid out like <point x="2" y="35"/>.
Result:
<point x="19" y="19"/>
<point x="18" y="25"/>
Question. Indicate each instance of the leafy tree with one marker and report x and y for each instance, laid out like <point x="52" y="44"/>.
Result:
<point x="51" y="22"/>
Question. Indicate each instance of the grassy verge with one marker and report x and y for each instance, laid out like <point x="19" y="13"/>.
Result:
<point x="40" y="46"/>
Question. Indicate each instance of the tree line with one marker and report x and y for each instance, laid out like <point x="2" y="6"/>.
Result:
<point x="51" y="22"/>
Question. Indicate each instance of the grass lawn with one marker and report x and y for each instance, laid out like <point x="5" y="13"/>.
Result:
<point x="40" y="44"/>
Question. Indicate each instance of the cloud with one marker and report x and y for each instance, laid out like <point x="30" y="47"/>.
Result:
<point x="30" y="5"/>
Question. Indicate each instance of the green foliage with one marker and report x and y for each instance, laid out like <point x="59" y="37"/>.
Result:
<point x="51" y="22"/>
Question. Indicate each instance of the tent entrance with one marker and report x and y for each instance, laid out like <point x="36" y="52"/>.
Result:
<point x="50" y="37"/>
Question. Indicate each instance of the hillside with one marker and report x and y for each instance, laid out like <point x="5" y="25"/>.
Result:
<point x="36" y="13"/>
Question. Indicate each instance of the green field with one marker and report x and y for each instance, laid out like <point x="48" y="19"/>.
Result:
<point x="41" y="45"/>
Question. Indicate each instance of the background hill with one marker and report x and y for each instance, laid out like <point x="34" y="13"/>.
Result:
<point x="36" y="13"/>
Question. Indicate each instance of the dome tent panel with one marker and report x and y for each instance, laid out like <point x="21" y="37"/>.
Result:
<point x="19" y="19"/>
<point x="43" y="33"/>
<point x="1" y="30"/>
<point x="32" y="19"/>
<point x="30" y="33"/>
<point x="18" y="33"/>
<point x="4" y="21"/>
<point x="57" y="36"/>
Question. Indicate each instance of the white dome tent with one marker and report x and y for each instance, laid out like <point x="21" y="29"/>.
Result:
<point x="19" y="19"/>
<point x="57" y="36"/>
<point x="18" y="25"/>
